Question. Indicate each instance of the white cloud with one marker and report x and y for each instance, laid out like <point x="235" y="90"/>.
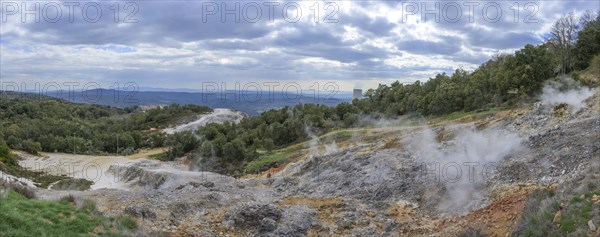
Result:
<point x="369" y="45"/>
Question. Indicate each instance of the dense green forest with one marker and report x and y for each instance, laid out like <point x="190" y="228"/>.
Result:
<point x="503" y="81"/>
<point x="32" y="123"/>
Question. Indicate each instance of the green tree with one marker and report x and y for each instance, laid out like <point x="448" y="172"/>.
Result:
<point x="588" y="42"/>
<point x="350" y="119"/>
<point x="206" y="149"/>
<point x="534" y="66"/>
<point x="5" y="156"/>
<point x="31" y="147"/>
<point x="234" y="151"/>
<point x="268" y="144"/>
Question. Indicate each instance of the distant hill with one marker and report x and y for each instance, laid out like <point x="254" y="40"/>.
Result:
<point x="252" y="103"/>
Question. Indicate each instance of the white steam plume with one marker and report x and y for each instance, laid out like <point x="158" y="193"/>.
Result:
<point x="459" y="163"/>
<point x="565" y="91"/>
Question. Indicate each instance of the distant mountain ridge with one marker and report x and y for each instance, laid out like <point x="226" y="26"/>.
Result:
<point x="250" y="102"/>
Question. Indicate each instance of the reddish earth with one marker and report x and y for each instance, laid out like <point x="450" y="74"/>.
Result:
<point x="498" y="219"/>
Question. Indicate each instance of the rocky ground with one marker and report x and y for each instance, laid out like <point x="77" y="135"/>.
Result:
<point x="469" y="176"/>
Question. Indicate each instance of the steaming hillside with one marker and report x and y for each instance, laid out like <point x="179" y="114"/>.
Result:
<point x="478" y="174"/>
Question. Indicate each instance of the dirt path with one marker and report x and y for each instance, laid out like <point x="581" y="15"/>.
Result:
<point x="146" y="153"/>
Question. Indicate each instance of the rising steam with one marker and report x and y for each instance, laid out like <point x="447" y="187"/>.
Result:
<point x="459" y="163"/>
<point x="565" y="91"/>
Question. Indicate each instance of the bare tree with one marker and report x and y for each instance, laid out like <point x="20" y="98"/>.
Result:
<point x="564" y="35"/>
<point x="587" y="17"/>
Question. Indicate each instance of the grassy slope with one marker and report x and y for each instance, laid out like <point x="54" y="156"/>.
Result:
<point x="281" y="156"/>
<point x="20" y="216"/>
<point x="575" y="209"/>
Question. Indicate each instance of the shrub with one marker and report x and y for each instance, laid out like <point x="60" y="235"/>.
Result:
<point x="72" y="184"/>
<point x="31" y="147"/>
<point x="537" y="215"/>
<point x="88" y="205"/>
<point x="5" y="156"/>
<point x="22" y="190"/>
<point x="69" y="198"/>
<point x="128" y="222"/>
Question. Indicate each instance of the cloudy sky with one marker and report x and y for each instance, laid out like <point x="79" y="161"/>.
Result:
<point x="183" y="44"/>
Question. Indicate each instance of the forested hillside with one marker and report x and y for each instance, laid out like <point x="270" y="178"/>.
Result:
<point x="36" y="123"/>
<point x="504" y="81"/>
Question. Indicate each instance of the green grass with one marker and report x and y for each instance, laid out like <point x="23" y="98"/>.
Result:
<point x="20" y="216"/>
<point x="537" y="218"/>
<point x="343" y="134"/>
<point x="128" y="222"/>
<point x="455" y="115"/>
<point x="576" y="215"/>
<point x="159" y="156"/>
<point x="72" y="184"/>
<point x="542" y="219"/>
<point x="8" y="159"/>
<point x="268" y="161"/>
<point x="462" y="114"/>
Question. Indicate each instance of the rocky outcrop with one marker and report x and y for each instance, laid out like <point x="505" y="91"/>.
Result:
<point x="262" y="217"/>
<point x="158" y="175"/>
